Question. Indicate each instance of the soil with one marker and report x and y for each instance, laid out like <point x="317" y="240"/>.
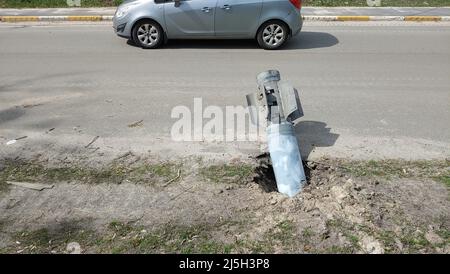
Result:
<point x="189" y="207"/>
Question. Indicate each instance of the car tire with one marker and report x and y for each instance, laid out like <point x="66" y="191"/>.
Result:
<point x="148" y="34"/>
<point x="272" y="35"/>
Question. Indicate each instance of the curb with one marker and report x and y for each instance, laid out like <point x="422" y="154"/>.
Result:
<point x="85" y="18"/>
<point x="377" y="18"/>
<point x="13" y="19"/>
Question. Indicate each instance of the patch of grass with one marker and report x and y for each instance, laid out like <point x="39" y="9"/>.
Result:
<point x="49" y="240"/>
<point x="228" y="173"/>
<point x="444" y="234"/>
<point x="168" y="239"/>
<point x="437" y="170"/>
<point x="348" y="230"/>
<point x="284" y="231"/>
<point x="385" y="3"/>
<point x="354" y="240"/>
<point x="414" y="242"/>
<point x="283" y="236"/>
<point x="121" y="229"/>
<point x="165" y="170"/>
<point x="123" y="238"/>
<point x="335" y="223"/>
<point x="339" y="250"/>
<point x="115" y="173"/>
<point x="387" y="238"/>
<point x="197" y="239"/>
<point x="307" y="233"/>
<point x="445" y="179"/>
<point x="411" y="240"/>
<point x="40" y="237"/>
<point x="56" y="3"/>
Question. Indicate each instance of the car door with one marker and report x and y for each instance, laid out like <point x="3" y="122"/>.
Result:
<point x="237" y="17"/>
<point x="192" y="18"/>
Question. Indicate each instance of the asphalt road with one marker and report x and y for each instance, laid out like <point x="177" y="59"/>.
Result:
<point x="369" y="90"/>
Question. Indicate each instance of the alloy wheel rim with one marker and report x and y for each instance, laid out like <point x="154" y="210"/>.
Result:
<point x="148" y="34"/>
<point x="273" y="35"/>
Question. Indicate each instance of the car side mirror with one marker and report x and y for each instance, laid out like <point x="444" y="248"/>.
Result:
<point x="177" y="3"/>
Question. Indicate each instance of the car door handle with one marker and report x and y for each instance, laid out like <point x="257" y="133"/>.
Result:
<point x="226" y="7"/>
<point x="206" y="9"/>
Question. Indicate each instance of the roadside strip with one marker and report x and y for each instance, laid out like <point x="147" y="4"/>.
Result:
<point x="87" y="18"/>
<point x="377" y="18"/>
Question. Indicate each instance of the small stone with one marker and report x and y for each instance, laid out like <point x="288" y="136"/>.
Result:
<point x="371" y="245"/>
<point x="235" y="160"/>
<point x="273" y="202"/>
<point x="399" y="244"/>
<point x="339" y="193"/>
<point x="433" y="238"/>
<point x="73" y="248"/>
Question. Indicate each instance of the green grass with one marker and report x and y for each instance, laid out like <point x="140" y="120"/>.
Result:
<point x="46" y="240"/>
<point x="349" y="231"/>
<point x="55" y="3"/>
<point x="445" y="179"/>
<point x="307" y="233"/>
<point x="171" y="239"/>
<point x="444" y="234"/>
<point x="122" y="238"/>
<point x="387" y="238"/>
<point x="228" y="173"/>
<point x="325" y="3"/>
<point x="384" y="3"/>
<point x="125" y="238"/>
<point x="388" y="169"/>
<point x="148" y="173"/>
<point x="413" y="242"/>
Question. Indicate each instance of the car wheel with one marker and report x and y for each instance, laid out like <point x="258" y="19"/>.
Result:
<point x="272" y="35"/>
<point x="148" y="34"/>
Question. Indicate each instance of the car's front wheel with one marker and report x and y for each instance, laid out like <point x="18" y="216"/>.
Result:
<point x="148" y="34"/>
<point x="272" y="35"/>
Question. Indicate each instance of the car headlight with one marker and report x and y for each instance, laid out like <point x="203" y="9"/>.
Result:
<point x="123" y="10"/>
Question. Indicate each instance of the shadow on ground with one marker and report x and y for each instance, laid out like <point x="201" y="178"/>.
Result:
<point x="312" y="134"/>
<point x="10" y="114"/>
<point x="305" y="40"/>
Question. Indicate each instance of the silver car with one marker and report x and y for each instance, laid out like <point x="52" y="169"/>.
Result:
<point x="149" y="23"/>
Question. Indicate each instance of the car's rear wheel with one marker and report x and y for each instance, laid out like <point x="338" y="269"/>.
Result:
<point x="148" y="34"/>
<point x="272" y="35"/>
